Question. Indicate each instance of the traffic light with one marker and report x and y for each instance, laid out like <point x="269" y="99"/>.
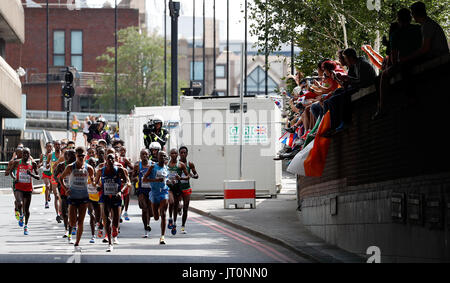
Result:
<point x="68" y="91"/>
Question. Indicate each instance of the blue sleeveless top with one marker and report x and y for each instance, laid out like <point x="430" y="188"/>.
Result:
<point x="111" y="184"/>
<point x="159" y="172"/>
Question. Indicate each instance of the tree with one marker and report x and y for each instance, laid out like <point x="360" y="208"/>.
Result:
<point x="140" y="67"/>
<point x="321" y="27"/>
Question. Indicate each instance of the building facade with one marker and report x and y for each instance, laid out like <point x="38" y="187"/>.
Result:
<point x="75" y="38"/>
<point x="12" y="31"/>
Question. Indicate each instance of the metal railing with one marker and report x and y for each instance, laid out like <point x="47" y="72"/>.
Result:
<point x="83" y="79"/>
<point x="61" y="115"/>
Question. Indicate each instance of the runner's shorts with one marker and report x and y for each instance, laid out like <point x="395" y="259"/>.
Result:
<point x="45" y="176"/>
<point x="187" y="192"/>
<point x="111" y="201"/>
<point x="175" y="189"/>
<point x="77" y="202"/>
<point x="157" y="197"/>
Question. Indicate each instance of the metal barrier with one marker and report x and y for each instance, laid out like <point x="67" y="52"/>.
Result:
<point x="61" y="115"/>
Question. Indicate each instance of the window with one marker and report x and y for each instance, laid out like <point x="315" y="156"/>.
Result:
<point x="76" y="49"/>
<point x="198" y="71"/>
<point x="221" y="93"/>
<point x="59" y="48"/>
<point x="220" y="71"/>
<point x="256" y="84"/>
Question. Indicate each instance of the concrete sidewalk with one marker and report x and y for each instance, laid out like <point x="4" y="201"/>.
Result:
<point x="276" y="220"/>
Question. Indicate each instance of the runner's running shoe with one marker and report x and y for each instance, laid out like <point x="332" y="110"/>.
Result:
<point x="74" y="231"/>
<point x="21" y="221"/>
<point x="17" y="215"/>
<point x="115" y="232"/>
<point x="100" y="233"/>
<point x="125" y="215"/>
<point x="71" y="240"/>
<point x="46" y="205"/>
<point x="66" y="234"/>
<point x="58" y="218"/>
<point x="162" y="241"/>
<point x="115" y="241"/>
<point x="110" y="248"/>
<point x="92" y="241"/>
<point x="183" y="230"/>
<point x="170" y="225"/>
<point x="105" y="240"/>
<point x="174" y="230"/>
<point x="77" y="248"/>
<point x="25" y="230"/>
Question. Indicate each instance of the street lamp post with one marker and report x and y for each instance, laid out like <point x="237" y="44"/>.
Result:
<point x="214" y="51"/>
<point x="204" y="54"/>
<point x="165" y="52"/>
<point x="115" y="60"/>
<point x="46" y="74"/>
<point x="193" y="46"/>
<point x="228" y="47"/>
<point x="245" y="50"/>
<point x="174" y="14"/>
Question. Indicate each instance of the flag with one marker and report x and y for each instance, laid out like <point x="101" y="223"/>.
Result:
<point x="311" y="160"/>
<point x="374" y="57"/>
<point x="277" y="102"/>
<point x="285" y="138"/>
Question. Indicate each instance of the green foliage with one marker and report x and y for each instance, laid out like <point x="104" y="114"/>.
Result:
<point x="316" y="26"/>
<point x="140" y="68"/>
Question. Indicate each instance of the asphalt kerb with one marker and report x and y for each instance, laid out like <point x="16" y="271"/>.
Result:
<point x="282" y="243"/>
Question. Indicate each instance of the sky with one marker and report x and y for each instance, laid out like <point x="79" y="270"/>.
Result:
<point x="155" y="12"/>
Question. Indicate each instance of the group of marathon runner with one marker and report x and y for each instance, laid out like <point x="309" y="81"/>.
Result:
<point x="98" y="181"/>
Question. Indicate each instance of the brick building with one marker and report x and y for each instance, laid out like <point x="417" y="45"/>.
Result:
<point x="76" y="38"/>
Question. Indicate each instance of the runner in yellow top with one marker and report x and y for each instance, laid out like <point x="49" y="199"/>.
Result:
<point x="75" y="127"/>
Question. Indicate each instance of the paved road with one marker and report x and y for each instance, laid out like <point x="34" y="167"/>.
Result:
<point x="207" y="241"/>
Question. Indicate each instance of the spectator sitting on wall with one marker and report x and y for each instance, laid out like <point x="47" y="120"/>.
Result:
<point x="406" y="40"/>
<point x="331" y="69"/>
<point x="325" y="87"/>
<point x="387" y="62"/>
<point x="434" y="41"/>
<point x="361" y="74"/>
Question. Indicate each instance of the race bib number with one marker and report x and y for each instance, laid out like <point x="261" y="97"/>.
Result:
<point x="161" y="174"/>
<point x="24" y="177"/>
<point x="110" y="187"/>
<point x="79" y="183"/>
<point x="145" y="185"/>
<point x="92" y="190"/>
<point x="172" y="177"/>
<point x="184" y="181"/>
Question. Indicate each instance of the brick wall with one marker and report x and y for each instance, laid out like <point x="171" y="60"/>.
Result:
<point x="98" y="34"/>
<point x="407" y="142"/>
<point x="374" y="168"/>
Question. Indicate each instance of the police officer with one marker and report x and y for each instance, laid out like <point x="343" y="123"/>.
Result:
<point x="156" y="133"/>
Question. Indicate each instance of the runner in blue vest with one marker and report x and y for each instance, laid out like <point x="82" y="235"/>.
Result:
<point x="157" y="176"/>
<point x="112" y="177"/>
<point x="143" y="190"/>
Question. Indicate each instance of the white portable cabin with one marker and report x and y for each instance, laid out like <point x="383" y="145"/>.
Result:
<point x="210" y="129"/>
<point x="131" y="128"/>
